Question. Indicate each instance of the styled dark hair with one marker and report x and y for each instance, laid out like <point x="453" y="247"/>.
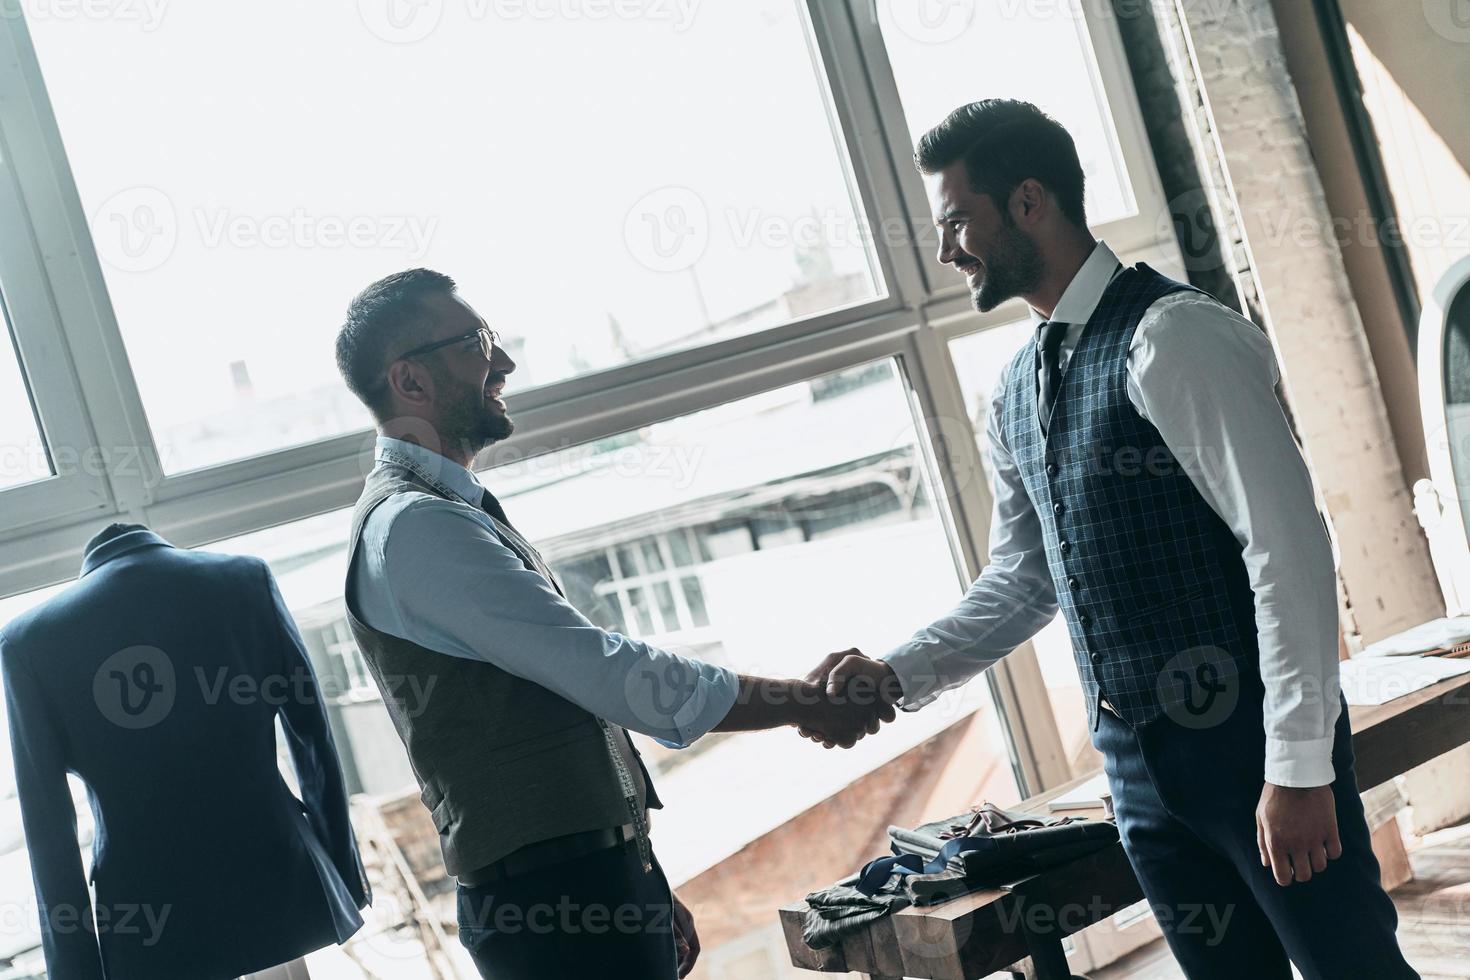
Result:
<point x="381" y="319"/>
<point x="1003" y="142"/>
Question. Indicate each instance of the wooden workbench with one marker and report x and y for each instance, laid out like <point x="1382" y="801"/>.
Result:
<point x="1022" y="927"/>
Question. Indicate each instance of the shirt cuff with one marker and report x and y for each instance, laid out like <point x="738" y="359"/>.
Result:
<point x="714" y="694"/>
<point x="1302" y="764"/>
<point x="916" y="676"/>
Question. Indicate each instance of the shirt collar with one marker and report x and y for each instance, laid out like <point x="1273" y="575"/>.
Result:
<point x="431" y="466"/>
<point x="99" y="551"/>
<point x="1080" y="298"/>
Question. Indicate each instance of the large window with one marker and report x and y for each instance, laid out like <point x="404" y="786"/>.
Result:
<point x="605" y="188"/>
<point x="946" y="54"/>
<point x="697" y="227"/>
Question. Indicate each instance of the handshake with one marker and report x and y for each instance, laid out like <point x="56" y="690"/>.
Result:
<point x="849" y="695"/>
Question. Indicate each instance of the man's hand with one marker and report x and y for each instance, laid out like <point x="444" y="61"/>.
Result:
<point x="1296" y="831"/>
<point x="852" y="677"/>
<point x="686" y="940"/>
<point x="840" y="719"/>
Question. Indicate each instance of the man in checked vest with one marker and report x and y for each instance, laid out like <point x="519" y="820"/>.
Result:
<point x="513" y="707"/>
<point x="1147" y="484"/>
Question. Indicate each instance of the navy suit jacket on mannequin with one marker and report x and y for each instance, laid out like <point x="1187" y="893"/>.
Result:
<point x="157" y="678"/>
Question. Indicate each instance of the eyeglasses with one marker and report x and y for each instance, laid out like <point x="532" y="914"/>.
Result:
<point x="489" y="340"/>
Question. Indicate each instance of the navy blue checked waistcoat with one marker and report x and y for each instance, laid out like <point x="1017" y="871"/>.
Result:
<point x="1150" y="579"/>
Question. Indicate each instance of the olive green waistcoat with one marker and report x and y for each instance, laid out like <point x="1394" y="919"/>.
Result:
<point x="501" y="762"/>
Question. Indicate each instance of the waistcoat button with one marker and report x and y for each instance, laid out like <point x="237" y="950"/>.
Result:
<point x="1057" y="508"/>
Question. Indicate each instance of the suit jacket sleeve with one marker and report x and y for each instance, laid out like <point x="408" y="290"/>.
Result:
<point x="314" y="751"/>
<point x="65" y="907"/>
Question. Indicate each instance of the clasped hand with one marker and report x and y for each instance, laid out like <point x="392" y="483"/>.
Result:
<point x="854" y="696"/>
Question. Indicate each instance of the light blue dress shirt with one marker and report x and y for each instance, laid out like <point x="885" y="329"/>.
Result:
<point x="435" y="572"/>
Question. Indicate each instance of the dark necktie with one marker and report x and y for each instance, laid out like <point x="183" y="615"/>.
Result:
<point x="512" y="539"/>
<point x="620" y="748"/>
<point x="1049" y="369"/>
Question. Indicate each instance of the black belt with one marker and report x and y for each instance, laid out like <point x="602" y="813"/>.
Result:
<point x="545" y="853"/>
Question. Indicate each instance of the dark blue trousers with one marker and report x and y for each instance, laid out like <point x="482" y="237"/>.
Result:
<point x="594" y="916"/>
<point x="1185" y="797"/>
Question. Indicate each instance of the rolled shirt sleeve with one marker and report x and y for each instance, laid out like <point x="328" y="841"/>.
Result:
<point x="443" y="579"/>
<point x="1009" y="603"/>
<point x="1205" y="378"/>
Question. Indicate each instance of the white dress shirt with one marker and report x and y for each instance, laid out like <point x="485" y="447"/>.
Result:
<point x="434" y="571"/>
<point x="1205" y="378"/>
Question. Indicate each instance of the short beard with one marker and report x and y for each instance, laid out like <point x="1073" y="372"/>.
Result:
<point x="469" y="422"/>
<point x="1013" y="268"/>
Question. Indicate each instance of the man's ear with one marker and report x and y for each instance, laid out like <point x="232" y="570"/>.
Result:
<point x="1028" y="201"/>
<point x="409" y="382"/>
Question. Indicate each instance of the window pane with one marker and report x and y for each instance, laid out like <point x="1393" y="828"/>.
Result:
<point x="694" y="596"/>
<point x="25" y="456"/>
<point x="653" y="559"/>
<point x="945" y="55"/>
<point x="627" y="562"/>
<point x="598" y="185"/>
<point x="979" y="359"/>
<point x="679" y="548"/>
<point x="666" y="609"/>
<point x="642" y="615"/>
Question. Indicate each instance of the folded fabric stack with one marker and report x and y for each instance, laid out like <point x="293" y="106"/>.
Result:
<point x="986" y="847"/>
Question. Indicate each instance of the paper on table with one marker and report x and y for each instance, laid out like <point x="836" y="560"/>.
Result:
<point x="1432" y="635"/>
<point x="1378" y="680"/>
<point x="1084" y="797"/>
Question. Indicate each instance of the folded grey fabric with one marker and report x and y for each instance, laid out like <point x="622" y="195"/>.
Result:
<point x="841" y="909"/>
<point x="1010" y="844"/>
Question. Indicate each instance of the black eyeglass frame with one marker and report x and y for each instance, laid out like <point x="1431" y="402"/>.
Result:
<point x="489" y="340"/>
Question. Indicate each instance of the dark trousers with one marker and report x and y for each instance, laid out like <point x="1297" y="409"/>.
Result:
<point x="595" y="916"/>
<point x="1185" y="795"/>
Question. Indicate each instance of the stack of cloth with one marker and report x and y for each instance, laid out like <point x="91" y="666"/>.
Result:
<point x="986" y="847"/>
